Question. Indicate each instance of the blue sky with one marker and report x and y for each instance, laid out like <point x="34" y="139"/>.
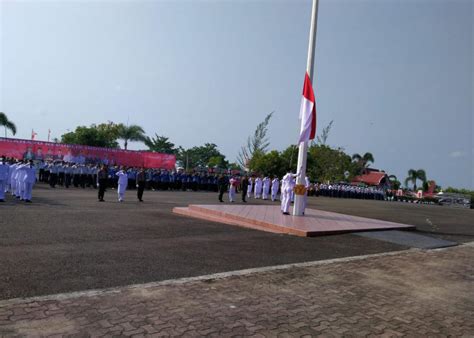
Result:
<point x="395" y="76"/>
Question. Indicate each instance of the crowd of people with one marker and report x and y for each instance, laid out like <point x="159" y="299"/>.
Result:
<point x="18" y="178"/>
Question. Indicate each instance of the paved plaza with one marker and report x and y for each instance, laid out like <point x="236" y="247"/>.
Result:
<point x="413" y="293"/>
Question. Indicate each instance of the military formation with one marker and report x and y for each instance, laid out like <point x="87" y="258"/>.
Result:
<point x="19" y="177"/>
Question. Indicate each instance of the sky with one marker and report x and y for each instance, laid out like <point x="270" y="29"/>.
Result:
<point x="395" y="76"/>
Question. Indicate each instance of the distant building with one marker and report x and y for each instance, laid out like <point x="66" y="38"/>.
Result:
<point x="373" y="177"/>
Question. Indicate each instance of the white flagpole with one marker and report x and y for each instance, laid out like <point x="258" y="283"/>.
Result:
<point x="298" y="209"/>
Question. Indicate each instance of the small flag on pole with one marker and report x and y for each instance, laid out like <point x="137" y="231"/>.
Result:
<point x="307" y="112"/>
<point x="33" y="134"/>
<point x="49" y="134"/>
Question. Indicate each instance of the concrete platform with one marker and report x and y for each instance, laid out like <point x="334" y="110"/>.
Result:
<point x="269" y="218"/>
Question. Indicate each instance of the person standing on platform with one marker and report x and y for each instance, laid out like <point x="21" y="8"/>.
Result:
<point x="4" y="176"/>
<point x="232" y="189"/>
<point x="244" y="185"/>
<point x="222" y="186"/>
<point x="275" y="187"/>
<point x="122" y="183"/>
<point x="266" y="188"/>
<point x="102" y="178"/>
<point x="287" y="186"/>
<point x="141" y="182"/>
<point x="258" y="188"/>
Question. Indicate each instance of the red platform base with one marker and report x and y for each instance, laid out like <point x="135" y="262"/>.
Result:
<point x="269" y="218"/>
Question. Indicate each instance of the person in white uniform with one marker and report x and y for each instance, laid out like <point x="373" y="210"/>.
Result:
<point x="307" y="184"/>
<point x="249" y="188"/>
<point x="266" y="187"/>
<point x="232" y="189"/>
<point x="4" y="176"/>
<point x="258" y="188"/>
<point x="13" y="168"/>
<point x="287" y="186"/>
<point x="275" y="187"/>
<point x="28" y="180"/>
<point x="122" y="183"/>
<point x="20" y="185"/>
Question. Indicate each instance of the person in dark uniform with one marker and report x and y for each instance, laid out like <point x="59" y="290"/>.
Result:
<point x="102" y="177"/>
<point x="141" y="181"/>
<point x="244" y="184"/>
<point x="222" y="186"/>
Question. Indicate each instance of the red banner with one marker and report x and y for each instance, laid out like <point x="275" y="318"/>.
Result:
<point x="37" y="150"/>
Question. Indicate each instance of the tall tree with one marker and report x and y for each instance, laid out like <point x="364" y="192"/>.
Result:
<point x="202" y="156"/>
<point x="102" y="135"/>
<point x="330" y="164"/>
<point x="160" y="144"/>
<point x="415" y="175"/>
<point x="394" y="182"/>
<point x="363" y="161"/>
<point x="257" y="143"/>
<point x="131" y="133"/>
<point x="7" y="124"/>
<point x="325" y="134"/>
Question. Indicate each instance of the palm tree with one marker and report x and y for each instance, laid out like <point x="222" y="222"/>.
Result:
<point x="363" y="161"/>
<point x="160" y="144"/>
<point x="131" y="133"/>
<point x="394" y="182"/>
<point x="5" y="122"/>
<point x="414" y="175"/>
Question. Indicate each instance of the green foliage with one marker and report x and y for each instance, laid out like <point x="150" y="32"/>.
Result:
<point x="324" y="134"/>
<point x="363" y="161"/>
<point x="324" y="163"/>
<point x="7" y="124"/>
<point x="131" y="133"/>
<point x="160" y="144"/>
<point x="271" y="163"/>
<point x="461" y="191"/>
<point x="102" y="135"/>
<point x="217" y="161"/>
<point x="200" y="156"/>
<point x="396" y="184"/>
<point x="414" y="175"/>
<point x="329" y="164"/>
<point x="258" y="143"/>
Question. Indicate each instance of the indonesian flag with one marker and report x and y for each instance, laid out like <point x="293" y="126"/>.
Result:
<point x="307" y="112"/>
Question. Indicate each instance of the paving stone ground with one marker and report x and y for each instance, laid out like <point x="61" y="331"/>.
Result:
<point x="412" y="293"/>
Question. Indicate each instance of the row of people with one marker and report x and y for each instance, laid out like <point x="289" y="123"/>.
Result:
<point x="17" y="178"/>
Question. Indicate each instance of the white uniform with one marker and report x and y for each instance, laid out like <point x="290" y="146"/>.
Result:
<point x="13" y="179"/>
<point x="232" y="188"/>
<point x="29" y="179"/>
<point x="122" y="184"/>
<point x="287" y="185"/>
<point x="275" y="187"/>
<point x="4" y="176"/>
<point x="266" y="188"/>
<point x="258" y="187"/>
<point x="20" y="185"/>
<point x="249" y="188"/>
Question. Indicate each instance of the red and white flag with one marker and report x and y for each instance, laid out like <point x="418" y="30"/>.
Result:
<point x="307" y="112"/>
<point x="33" y="134"/>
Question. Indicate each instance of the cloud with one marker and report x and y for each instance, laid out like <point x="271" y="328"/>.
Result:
<point x="457" y="154"/>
